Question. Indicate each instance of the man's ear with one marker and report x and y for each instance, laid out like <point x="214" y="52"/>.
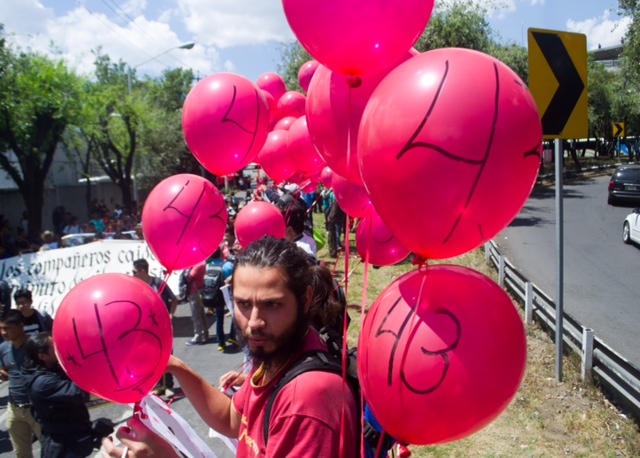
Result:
<point x="307" y="299"/>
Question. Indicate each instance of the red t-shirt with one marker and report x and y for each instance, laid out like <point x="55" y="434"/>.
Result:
<point x="196" y="275"/>
<point x="306" y="417"/>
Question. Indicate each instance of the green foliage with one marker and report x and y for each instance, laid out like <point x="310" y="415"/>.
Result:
<point x="294" y="56"/>
<point x="38" y="100"/>
<point x="516" y="57"/>
<point x="631" y="51"/>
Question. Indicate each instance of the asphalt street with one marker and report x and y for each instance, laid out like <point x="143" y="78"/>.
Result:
<point x="205" y="359"/>
<point x="601" y="287"/>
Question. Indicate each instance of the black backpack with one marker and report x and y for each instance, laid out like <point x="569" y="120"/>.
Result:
<point x="213" y="280"/>
<point x="331" y="361"/>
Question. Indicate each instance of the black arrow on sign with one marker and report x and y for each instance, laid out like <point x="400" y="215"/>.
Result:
<point x="618" y="129"/>
<point x="570" y="86"/>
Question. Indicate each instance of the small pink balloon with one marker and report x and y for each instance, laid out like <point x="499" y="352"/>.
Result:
<point x="183" y="220"/>
<point x="374" y="237"/>
<point x="285" y="123"/>
<point x="441" y="354"/>
<point x="225" y="120"/>
<point x="304" y="153"/>
<point x="272" y="83"/>
<point x="275" y="158"/>
<point x="334" y="110"/>
<point x="291" y="103"/>
<point x="257" y="219"/>
<point x="357" y="38"/>
<point x="113" y="337"/>
<point x="273" y="108"/>
<point x="460" y="161"/>
<point x="326" y="177"/>
<point x="351" y="197"/>
<point x="306" y="73"/>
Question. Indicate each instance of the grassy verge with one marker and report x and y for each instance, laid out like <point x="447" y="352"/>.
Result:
<point x="546" y="418"/>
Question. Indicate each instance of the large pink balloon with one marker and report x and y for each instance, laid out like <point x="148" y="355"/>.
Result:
<point x="354" y="38"/>
<point x="334" y="110"/>
<point x="183" y="220"/>
<point x="275" y="158"/>
<point x="441" y="354"/>
<point x="449" y="149"/>
<point x="304" y="153"/>
<point x="285" y="123"/>
<point x="225" y="120"/>
<point x="306" y="73"/>
<point x="291" y="103"/>
<point x="257" y="219"/>
<point x="374" y="238"/>
<point x="113" y="337"/>
<point x="273" y="108"/>
<point x="351" y="197"/>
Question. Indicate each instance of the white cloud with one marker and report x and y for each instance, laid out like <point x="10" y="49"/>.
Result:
<point x="537" y="2"/>
<point x="226" y="23"/>
<point x="601" y="30"/>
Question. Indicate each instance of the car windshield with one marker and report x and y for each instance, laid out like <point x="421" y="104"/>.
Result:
<point x="628" y="174"/>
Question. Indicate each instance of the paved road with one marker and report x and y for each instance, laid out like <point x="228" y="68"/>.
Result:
<point x="601" y="287"/>
<point x="205" y="359"/>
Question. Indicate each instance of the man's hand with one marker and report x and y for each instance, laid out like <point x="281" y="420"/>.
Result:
<point x="137" y="441"/>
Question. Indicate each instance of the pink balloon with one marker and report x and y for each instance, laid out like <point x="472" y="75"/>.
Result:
<point x="275" y="158"/>
<point x="285" y="123"/>
<point x="375" y="238"/>
<point x="334" y="110"/>
<point x="306" y="73"/>
<point x="460" y="162"/>
<point x="257" y="219"/>
<point x="351" y="197"/>
<point x="292" y="103"/>
<point x="273" y="108"/>
<point x="326" y="177"/>
<point x="357" y="38"/>
<point x="184" y="220"/>
<point x="272" y="83"/>
<point x="304" y="153"/>
<point x="113" y="337"/>
<point x="442" y="352"/>
<point x="225" y="120"/>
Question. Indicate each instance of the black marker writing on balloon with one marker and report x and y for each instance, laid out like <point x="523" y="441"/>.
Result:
<point x="188" y="216"/>
<point x="441" y="353"/>
<point x="253" y="133"/>
<point x="152" y="315"/>
<point x="412" y="144"/>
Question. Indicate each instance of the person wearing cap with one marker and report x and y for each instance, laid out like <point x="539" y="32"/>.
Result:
<point x="20" y="423"/>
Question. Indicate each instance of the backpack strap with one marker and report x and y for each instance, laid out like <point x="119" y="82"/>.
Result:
<point x="316" y="360"/>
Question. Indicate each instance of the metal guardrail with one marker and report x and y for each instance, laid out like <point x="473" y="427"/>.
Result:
<point x="614" y="373"/>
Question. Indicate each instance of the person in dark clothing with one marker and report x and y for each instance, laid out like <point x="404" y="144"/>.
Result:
<point x="58" y="403"/>
<point x="34" y="320"/>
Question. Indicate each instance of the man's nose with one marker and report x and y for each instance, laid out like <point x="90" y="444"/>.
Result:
<point x="255" y="319"/>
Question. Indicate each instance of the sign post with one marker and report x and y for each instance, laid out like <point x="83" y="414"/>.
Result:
<point x="558" y="83"/>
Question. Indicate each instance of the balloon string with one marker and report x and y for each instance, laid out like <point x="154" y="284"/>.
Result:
<point x="365" y="280"/>
<point x="163" y="283"/>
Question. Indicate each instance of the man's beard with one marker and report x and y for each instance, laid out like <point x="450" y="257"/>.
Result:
<point x="286" y="345"/>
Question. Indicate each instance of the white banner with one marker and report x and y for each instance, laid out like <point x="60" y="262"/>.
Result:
<point x="51" y="274"/>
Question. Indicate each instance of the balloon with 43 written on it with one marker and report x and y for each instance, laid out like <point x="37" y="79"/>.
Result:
<point x="441" y="354"/>
<point x="113" y="337"/>
<point x="183" y="220"/>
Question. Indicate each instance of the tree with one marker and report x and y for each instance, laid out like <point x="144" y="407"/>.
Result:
<point x="294" y="56"/>
<point x="38" y="100"/>
<point x="631" y="51"/>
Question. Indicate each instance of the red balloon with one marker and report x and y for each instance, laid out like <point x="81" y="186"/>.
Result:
<point x="272" y="83"/>
<point x="373" y="236"/>
<point x="306" y="73"/>
<point x="304" y="153"/>
<point x="257" y="219"/>
<point x="184" y="220"/>
<point x="275" y="158"/>
<point x="292" y="103"/>
<point x="113" y="337"/>
<point x="285" y="123"/>
<point x="441" y="354"/>
<point x="357" y="38"/>
<point x="460" y="161"/>
<point x="351" y="197"/>
<point x="334" y="110"/>
<point x="225" y="120"/>
<point x="326" y="177"/>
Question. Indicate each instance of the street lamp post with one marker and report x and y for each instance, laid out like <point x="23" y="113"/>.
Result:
<point x="188" y="45"/>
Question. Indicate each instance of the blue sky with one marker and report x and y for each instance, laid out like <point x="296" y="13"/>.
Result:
<point x="241" y="36"/>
